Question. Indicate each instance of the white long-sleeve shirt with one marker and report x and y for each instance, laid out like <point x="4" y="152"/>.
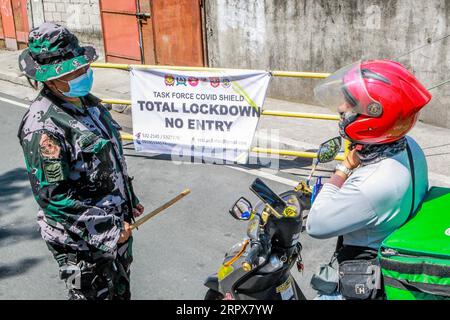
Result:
<point x="373" y="202"/>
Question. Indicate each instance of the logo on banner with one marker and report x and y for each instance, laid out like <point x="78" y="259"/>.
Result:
<point x="181" y="81"/>
<point x="169" y="80"/>
<point x="193" y="81"/>
<point x="138" y="138"/>
<point x="215" y="82"/>
<point x="226" y="83"/>
<point x="204" y="82"/>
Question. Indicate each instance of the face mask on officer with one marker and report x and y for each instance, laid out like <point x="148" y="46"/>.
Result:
<point x="76" y="87"/>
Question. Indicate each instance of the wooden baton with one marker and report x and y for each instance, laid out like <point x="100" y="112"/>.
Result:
<point x="158" y="210"/>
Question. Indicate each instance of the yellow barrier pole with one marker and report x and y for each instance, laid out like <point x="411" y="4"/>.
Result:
<point x="297" y="74"/>
<point x="300" y="115"/>
<point x="346" y="147"/>
<point x="301" y="154"/>
<point x="287" y="114"/>
<point x="276" y="73"/>
<point x="119" y="66"/>
<point x="145" y="67"/>
<point x="291" y="74"/>
<point x="126" y="136"/>
<point x="116" y="101"/>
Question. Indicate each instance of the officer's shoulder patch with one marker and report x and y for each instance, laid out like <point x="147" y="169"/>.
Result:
<point x="49" y="147"/>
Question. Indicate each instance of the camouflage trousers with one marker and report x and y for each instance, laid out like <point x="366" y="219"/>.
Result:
<point x="90" y="275"/>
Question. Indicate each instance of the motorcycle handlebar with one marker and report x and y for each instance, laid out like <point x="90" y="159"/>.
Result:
<point x="252" y="255"/>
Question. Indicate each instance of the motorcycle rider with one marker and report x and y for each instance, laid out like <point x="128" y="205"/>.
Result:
<point x="371" y="193"/>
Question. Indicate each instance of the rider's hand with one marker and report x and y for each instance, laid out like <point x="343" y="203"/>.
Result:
<point x="125" y="234"/>
<point x="138" y="210"/>
<point x="352" y="161"/>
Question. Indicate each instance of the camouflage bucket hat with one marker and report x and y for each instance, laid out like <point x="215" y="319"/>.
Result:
<point x="53" y="51"/>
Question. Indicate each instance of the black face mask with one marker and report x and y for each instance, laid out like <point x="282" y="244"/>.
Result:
<point x="346" y="119"/>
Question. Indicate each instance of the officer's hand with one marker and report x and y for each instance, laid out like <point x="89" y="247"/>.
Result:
<point x="352" y="161"/>
<point x="125" y="234"/>
<point x="138" y="210"/>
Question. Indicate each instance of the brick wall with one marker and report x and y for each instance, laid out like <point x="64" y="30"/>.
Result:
<point x="82" y="17"/>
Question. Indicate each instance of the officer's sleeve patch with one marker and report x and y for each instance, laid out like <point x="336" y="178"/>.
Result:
<point x="49" y="147"/>
<point x="87" y="140"/>
<point x="53" y="171"/>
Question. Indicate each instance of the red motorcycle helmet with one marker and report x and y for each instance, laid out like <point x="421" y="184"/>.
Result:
<point x="385" y="100"/>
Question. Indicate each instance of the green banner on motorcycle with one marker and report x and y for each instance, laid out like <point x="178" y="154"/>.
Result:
<point x="415" y="259"/>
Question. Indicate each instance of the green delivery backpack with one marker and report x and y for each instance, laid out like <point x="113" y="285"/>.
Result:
<point x="415" y="259"/>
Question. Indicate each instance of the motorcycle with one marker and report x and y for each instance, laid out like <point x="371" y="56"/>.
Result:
<point x="259" y="267"/>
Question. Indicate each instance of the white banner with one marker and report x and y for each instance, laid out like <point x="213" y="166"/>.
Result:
<point x="200" y="114"/>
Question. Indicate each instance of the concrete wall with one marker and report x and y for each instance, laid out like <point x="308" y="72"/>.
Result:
<point x="324" y="35"/>
<point x="82" y="17"/>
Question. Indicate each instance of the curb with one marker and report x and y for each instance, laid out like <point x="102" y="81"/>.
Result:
<point x="121" y="108"/>
<point x="14" y="78"/>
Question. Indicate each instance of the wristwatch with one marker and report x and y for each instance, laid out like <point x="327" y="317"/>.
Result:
<point x="344" y="169"/>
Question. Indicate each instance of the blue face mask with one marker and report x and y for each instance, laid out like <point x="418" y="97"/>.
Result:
<point x="80" y="86"/>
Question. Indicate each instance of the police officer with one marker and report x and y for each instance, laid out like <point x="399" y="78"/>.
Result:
<point x="77" y="170"/>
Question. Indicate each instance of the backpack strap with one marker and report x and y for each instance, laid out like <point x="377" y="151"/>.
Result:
<point x="339" y="243"/>
<point x="411" y="166"/>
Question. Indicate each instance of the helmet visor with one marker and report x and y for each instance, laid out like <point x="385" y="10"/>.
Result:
<point x="345" y="90"/>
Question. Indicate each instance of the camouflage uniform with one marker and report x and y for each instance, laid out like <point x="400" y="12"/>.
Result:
<point x="78" y="175"/>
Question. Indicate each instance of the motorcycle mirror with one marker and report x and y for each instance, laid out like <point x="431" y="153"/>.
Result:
<point x="242" y="209"/>
<point x="329" y="149"/>
<point x="327" y="152"/>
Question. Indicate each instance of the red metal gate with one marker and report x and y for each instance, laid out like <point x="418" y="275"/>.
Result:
<point x="14" y="26"/>
<point x="165" y="32"/>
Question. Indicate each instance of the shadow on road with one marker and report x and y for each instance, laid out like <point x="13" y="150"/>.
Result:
<point x="9" y="236"/>
<point x="14" y="187"/>
<point x="18" y="268"/>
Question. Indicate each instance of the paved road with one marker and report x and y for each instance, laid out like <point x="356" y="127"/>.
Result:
<point x="173" y="253"/>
